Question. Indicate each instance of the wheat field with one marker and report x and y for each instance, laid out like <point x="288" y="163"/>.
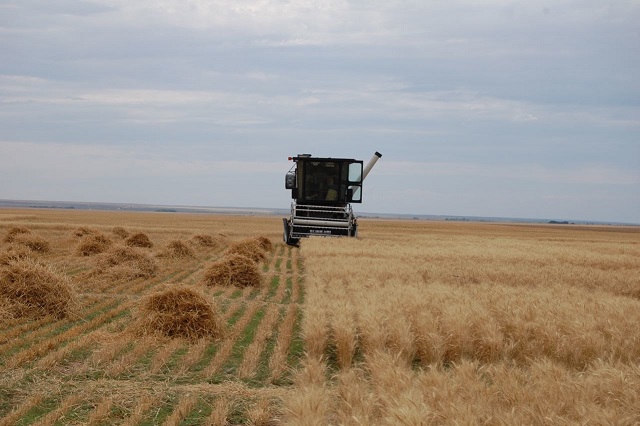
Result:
<point x="412" y="323"/>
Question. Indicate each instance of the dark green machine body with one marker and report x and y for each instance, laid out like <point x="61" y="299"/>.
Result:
<point x="323" y="190"/>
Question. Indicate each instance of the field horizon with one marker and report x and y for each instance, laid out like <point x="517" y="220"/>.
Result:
<point x="231" y="210"/>
<point x="413" y="322"/>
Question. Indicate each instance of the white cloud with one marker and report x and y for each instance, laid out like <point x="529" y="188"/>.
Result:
<point x="370" y="97"/>
<point x="55" y="161"/>
<point x="585" y="174"/>
<point x="539" y="93"/>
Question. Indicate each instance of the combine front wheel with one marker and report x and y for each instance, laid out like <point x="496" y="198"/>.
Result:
<point x="288" y="239"/>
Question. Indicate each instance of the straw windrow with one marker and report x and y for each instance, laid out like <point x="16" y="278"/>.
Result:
<point x="265" y="243"/>
<point x="125" y="263"/>
<point x="177" y="249"/>
<point x="250" y="248"/>
<point x="120" y="232"/>
<point x="181" y="312"/>
<point x="94" y="244"/>
<point x="139" y="239"/>
<point x="83" y="231"/>
<point x="14" y="232"/>
<point x="205" y="240"/>
<point x="33" y="242"/>
<point x="232" y="270"/>
<point x="35" y="290"/>
<point x="13" y="253"/>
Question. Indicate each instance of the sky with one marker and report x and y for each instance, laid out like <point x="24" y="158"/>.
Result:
<point x="493" y="108"/>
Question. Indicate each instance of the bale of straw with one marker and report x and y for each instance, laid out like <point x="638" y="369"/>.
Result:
<point x="14" y="232"/>
<point x="125" y="263"/>
<point x="120" y="232"/>
<point x="177" y="250"/>
<point x="139" y="239"/>
<point x="82" y="231"/>
<point x="33" y="242"/>
<point x="94" y="244"/>
<point x="265" y="243"/>
<point x="204" y="240"/>
<point x="181" y="312"/>
<point x="35" y="290"/>
<point x="5" y="310"/>
<point x="13" y="253"/>
<point x="250" y="248"/>
<point x="233" y="270"/>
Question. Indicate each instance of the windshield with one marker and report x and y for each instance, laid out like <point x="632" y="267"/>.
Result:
<point x="329" y="182"/>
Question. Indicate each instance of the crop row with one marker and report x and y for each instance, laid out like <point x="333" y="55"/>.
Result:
<point x="98" y="347"/>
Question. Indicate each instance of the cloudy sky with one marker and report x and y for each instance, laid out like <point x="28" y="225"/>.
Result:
<point x="485" y="108"/>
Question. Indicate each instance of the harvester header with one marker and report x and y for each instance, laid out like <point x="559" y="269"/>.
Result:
<point x="323" y="189"/>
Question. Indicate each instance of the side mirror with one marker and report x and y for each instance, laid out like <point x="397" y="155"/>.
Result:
<point x="290" y="180"/>
<point x="349" y="195"/>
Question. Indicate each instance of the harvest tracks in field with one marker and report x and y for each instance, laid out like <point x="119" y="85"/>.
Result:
<point x="91" y="368"/>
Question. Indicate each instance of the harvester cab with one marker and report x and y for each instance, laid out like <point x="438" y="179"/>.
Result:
<point x="323" y="190"/>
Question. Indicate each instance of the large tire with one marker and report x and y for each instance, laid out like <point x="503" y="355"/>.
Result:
<point x="287" y="234"/>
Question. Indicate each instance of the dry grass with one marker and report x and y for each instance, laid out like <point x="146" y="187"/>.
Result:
<point x="261" y="414"/>
<point x="265" y="243"/>
<point x="177" y="249"/>
<point x="93" y="244"/>
<point x="278" y="362"/>
<point x="53" y="417"/>
<point x="185" y="405"/>
<point x="13" y="253"/>
<point x="33" y="242"/>
<point x="125" y="263"/>
<point x="206" y="240"/>
<point x="250" y="248"/>
<point x="219" y="414"/>
<point x="82" y="231"/>
<point x="179" y="312"/>
<point x="14" y="232"/>
<point x="139" y="239"/>
<point x="414" y="322"/>
<point x="5" y="310"/>
<point x="233" y="270"/>
<point x="506" y="324"/>
<point x="14" y="416"/>
<point x="34" y="290"/>
<point x="120" y="232"/>
<point x="101" y="411"/>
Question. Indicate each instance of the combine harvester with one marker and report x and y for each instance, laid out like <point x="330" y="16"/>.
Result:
<point x="323" y="190"/>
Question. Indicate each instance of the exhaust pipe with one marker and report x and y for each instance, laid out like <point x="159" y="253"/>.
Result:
<point x="370" y="164"/>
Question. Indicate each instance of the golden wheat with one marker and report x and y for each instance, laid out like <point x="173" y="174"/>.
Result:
<point x="278" y="362"/>
<point x="261" y="413"/>
<point x="506" y="304"/>
<point x="220" y="412"/>
<point x="101" y="411"/>
<point x="414" y="322"/>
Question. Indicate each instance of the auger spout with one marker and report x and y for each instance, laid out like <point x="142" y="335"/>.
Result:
<point x="370" y="164"/>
